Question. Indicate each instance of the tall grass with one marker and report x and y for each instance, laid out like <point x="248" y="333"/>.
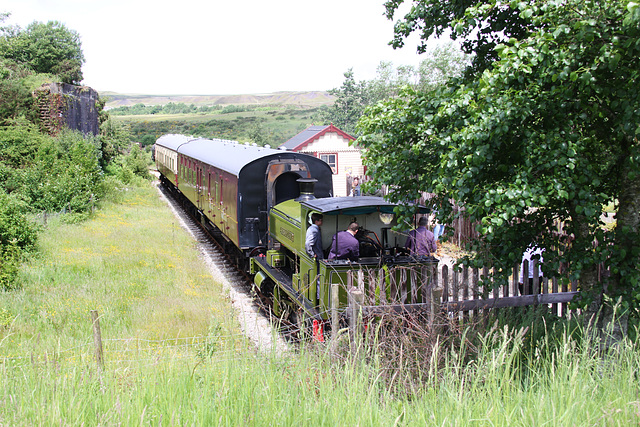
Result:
<point x="574" y="386"/>
<point x="174" y="356"/>
<point x="131" y="262"/>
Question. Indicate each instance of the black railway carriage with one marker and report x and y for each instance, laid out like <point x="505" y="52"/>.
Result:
<point x="234" y="185"/>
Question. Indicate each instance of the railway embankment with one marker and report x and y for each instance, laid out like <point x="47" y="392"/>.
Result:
<point x="254" y="324"/>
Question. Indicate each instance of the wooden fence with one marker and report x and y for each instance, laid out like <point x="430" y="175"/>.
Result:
<point x="458" y="292"/>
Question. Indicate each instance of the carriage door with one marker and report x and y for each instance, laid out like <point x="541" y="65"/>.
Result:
<point x="200" y="191"/>
<point x="281" y="185"/>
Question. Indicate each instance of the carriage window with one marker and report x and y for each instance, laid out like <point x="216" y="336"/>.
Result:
<point x="331" y="160"/>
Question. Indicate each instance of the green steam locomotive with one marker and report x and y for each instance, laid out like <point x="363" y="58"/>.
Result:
<point x="260" y="201"/>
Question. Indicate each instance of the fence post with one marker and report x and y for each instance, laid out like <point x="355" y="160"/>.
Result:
<point x="356" y="300"/>
<point x="335" y="301"/>
<point x="97" y="339"/>
<point x="435" y="301"/>
<point x="361" y="279"/>
<point x="445" y="282"/>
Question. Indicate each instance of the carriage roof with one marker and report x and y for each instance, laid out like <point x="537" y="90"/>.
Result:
<point x="354" y="205"/>
<point x="227" y="155"/>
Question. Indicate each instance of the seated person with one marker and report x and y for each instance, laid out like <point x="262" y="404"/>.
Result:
<point x="345" y="245"/>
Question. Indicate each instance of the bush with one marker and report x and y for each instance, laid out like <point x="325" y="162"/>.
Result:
<point x="66" y="174"/>
<point x="17" y="236"/>
<point x="19" y="143"/>
<point x="15" y="229"/>
<point x="9" y="266"/>
<point x="132" y="167"/>
<point x="138" y="162"/>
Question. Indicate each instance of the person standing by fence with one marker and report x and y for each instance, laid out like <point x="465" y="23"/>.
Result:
<point x="532" y="253"/>
<point x="355" y="187"/>
<point x="421" y="241"/>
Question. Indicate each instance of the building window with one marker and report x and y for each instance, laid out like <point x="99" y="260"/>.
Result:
<point x="331" y="160"/>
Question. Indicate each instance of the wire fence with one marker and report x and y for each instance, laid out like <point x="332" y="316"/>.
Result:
<point x="125" y="352"/>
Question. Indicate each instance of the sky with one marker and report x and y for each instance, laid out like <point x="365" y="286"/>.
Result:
<point x="213" y="47"/>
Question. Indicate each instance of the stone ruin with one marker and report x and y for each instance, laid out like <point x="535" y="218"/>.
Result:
<point x="64" y="105"/>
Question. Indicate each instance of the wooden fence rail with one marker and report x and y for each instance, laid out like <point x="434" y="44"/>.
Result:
<point x="459" y="292"/>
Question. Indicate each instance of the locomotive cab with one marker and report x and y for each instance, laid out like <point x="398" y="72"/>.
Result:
<point x="299" y="281"/>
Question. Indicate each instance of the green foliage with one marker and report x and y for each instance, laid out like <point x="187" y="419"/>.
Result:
<point x="546" y="134"/>
<point x="65" y="174"/>
<point x="114" y="138"/>
<point x="41" y="53"/>
<point x="257" y="134"/>
<point x="17" y="83"/>
<point x="15" y="94"/>
<point x="49" y="48"/>
<point x="15" y="229"/>
<point x="10" y="260"/>
<point x="235" y="126"/>
<point x="19" y="142"/>
<point x="131" y="167"/>
<point x="17" y="236"/>
<point x="147" y="140"/>
<point x="352" y="99"/>
<point x="174" y="108"/>
<point x="441" y="63"/>
<point x="499" y="22"/>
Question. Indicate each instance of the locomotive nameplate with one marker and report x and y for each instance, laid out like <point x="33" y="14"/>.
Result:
<point x="287" y="234"/>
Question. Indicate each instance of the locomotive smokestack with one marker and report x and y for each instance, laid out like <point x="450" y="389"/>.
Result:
<point x="306" y="186"/>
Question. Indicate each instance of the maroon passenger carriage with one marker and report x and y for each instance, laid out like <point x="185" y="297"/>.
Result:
<point x="233" y="186"/>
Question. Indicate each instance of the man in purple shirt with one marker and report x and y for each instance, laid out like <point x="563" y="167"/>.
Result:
<point x="421" y="241"/>
<point x="345" y="245"/>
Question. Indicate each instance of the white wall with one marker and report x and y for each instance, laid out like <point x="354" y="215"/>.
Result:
<point x="349" y="159"/>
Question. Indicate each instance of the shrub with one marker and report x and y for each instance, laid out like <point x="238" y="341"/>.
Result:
<point x="138" y="162"/>
<point x="10" y="260"/>
<point x="15" y="229"/>
<point x="19" y="143"/>
<point x="132" y="167"/>
<point x="17" y="236"/>
<point x="66" y="174"/>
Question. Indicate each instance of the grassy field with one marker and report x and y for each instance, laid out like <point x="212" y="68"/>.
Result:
<point x="275" y="126"/>
<point x="174" y="354"/>
<point x="306" y="99"/>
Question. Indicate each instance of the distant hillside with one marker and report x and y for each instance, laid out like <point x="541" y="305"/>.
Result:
<point x="311" y="99"/>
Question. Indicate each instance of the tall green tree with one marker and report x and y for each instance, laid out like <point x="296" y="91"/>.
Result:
<point x="49" y="48"/>
<point x="479" y="37"/>
<point x="441" y="62"/>
<point x="547" y="134"/>
<point x="351" y="100"/>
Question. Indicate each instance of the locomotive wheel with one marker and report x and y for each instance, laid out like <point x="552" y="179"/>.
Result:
<point x="266" y="288"/>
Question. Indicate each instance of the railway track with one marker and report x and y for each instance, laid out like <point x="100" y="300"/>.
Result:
<point x="252" y="308"/>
